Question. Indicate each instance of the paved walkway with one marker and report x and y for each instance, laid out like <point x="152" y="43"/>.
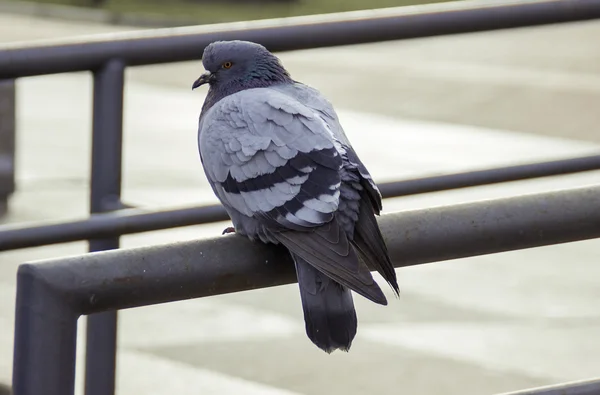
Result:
<point x="472" y="326"/>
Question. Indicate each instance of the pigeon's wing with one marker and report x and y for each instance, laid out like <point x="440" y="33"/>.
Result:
<point x="328" y="249"/>
<point x="271" y="158"/>
<point x="314" y="100"/>
<point x="367" y="236"/>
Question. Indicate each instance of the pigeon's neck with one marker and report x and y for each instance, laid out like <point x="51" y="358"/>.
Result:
<point x="263" y="79"/>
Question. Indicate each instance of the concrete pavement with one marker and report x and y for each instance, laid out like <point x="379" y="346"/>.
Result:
<point x="472" y="326"/>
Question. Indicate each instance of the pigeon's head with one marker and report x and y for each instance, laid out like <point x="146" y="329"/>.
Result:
<point x="238" y="65"/>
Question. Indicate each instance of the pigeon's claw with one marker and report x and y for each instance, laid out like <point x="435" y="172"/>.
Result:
<point x="227" y="230"/>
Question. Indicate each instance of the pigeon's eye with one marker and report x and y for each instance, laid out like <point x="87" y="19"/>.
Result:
<point x="227" y="65"/>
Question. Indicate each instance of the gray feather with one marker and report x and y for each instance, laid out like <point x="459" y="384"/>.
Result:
<point x="260" y="178"/>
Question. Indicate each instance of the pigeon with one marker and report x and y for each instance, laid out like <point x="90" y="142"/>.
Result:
<point x="277" y="158"/>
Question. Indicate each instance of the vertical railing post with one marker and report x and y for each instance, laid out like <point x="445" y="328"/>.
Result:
<point x="7" y="142"/>
<point x="105" y="196"/>
<point x="45" y="337"/>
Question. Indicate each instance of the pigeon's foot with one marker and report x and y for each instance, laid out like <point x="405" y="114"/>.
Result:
<point x="228" y="230"/>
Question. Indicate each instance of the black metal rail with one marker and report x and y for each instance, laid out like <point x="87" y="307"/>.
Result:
<point x="105" y="196"/>
<point x="186" y="43"/>
<point x="52" y="294"/>
<point x="585" y="387"/>
<point x="7" y="142"/>
<point x="142" y="220"/>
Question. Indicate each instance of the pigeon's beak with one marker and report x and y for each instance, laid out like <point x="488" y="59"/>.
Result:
<point x="205" y="78"/>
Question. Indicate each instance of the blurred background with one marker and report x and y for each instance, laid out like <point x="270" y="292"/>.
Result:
<point x="412" y="108"/>
<point x="186" y="12"/>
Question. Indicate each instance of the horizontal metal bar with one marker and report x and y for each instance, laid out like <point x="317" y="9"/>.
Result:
<point x="489" y="176"/>
<point x="136" y="220"/>
<point x="587" y="387"/>
<point x="187" y="43"/>
<point x="126" y="278"/>
<point x="105" y="225"/>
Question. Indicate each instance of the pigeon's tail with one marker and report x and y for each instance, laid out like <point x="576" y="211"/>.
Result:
<point x="328" y="309"/>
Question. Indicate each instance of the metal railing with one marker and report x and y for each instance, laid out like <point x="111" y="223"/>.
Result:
<point x="107" y="56"/>
<point x="587" y="387"/>
<point x="52" y="294"/>
<point x="7" y="142"/>
<point x="137" y="220"/>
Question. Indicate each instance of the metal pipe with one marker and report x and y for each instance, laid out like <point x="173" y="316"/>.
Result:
<point x="285" y="34"/>
<point x="52" y="293"/>
<point x="147" y="275"/>
<point x="107" y="145"/>
<point x="489" y="176"/>
<point x="106" y="225"/>
<point x="587" y="387"/>
<point x="7" y="141"/>
<point x="136" y="220"/>
<point x="45" y="337"/>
